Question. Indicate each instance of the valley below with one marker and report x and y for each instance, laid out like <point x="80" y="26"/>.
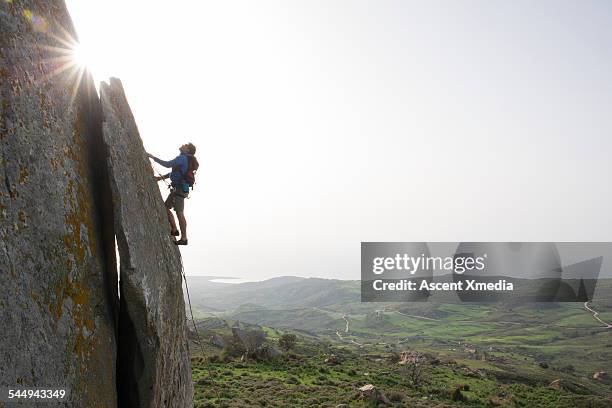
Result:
<point x="311" y="342"/>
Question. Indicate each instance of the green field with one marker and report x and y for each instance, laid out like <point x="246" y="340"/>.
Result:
<point x="496" y="354"/>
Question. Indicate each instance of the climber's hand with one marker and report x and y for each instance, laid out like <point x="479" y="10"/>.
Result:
<point x="149" y="155"/>
<point x="158" y="178"/>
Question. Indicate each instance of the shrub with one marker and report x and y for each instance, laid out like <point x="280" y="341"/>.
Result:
<point x="231" y="350"/>
<point x="287" y="341"/>
<point x="395" y="396"/>
<point x="415" y="373"/>
<point x="456" y="395"/>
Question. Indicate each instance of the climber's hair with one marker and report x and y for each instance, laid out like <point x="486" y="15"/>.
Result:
<point x="191" y="147"/>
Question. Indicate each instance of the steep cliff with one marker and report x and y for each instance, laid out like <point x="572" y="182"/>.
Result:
<point x="63" y="195"/>
<point x="57" y="286"/>
<point x="154" y="366"/>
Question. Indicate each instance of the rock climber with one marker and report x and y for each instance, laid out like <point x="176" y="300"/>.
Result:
<point x="182" y="177"/>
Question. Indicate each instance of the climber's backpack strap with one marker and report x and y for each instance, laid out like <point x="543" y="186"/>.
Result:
<point x="192" y="168"/>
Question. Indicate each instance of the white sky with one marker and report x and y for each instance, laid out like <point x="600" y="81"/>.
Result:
<point x="321" y="124"/>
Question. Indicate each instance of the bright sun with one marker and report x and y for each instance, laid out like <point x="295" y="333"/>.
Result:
<point x="88" y="58"/>
<point x="66" y="55"/>
<point x="81" y="56"/>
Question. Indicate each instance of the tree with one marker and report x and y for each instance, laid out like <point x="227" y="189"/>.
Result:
<point x="415" y="373"/>
<point x="287" y="341"/>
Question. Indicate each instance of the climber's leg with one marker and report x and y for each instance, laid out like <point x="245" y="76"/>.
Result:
<point x="179" y="206"/>
<point x="169" y="203"/>
<point x="183" y="224"/>
<point x="171" y="220"/>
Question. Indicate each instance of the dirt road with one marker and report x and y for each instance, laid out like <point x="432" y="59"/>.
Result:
<point x="595" y="315"/>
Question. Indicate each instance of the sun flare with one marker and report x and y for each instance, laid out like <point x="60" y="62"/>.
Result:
<point x="81" y="56"/>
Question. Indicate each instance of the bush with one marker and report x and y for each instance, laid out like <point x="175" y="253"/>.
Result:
<point x="457" y="395"/>
<point x="287" y="341"/>
<point x="395" y="396"/>
<point x="231" y="350"/>
<point x="415" y="373"/>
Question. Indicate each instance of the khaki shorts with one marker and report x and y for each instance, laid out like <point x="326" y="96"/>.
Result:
<point x="176" y="200"/>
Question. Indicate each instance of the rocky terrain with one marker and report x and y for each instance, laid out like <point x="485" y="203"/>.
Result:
<point x="74" y="174"/>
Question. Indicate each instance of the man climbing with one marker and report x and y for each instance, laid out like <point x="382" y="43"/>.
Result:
<point x="182" y="177"/>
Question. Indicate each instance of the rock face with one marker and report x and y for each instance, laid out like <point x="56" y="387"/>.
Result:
<point x="57" y="286"/>
<point x="411" y="358"/>
<point x="253" y="343"/>
<point x="217" y="341"/>
<point x="154" y="365"/>
<point x="250" y="340"/>
<point x="61" y="319"/>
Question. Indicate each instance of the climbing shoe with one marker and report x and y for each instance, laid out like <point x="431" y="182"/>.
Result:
<point x="175" y="233"/>
<point x="181" y="242"/>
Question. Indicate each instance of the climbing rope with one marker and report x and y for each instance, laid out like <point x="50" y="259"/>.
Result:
<point x="190" y="309"/>
<point x="160" y="175"/>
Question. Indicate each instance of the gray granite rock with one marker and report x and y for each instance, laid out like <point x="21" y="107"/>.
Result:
<point x="58" y="294"/>
<point x="154" y="367"/>
<point x="62" y="323"/>
<point x="217" y="340"/>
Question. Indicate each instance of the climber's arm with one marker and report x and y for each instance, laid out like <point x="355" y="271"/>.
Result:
<point x="171" y="163"/>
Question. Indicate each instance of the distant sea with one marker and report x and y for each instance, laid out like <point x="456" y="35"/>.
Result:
<point x="232" y="280"/>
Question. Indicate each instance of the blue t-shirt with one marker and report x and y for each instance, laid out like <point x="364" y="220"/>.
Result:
<point x="179" y="165"/>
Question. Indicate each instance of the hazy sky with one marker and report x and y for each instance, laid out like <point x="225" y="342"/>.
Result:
<point x="321" y="124"/>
